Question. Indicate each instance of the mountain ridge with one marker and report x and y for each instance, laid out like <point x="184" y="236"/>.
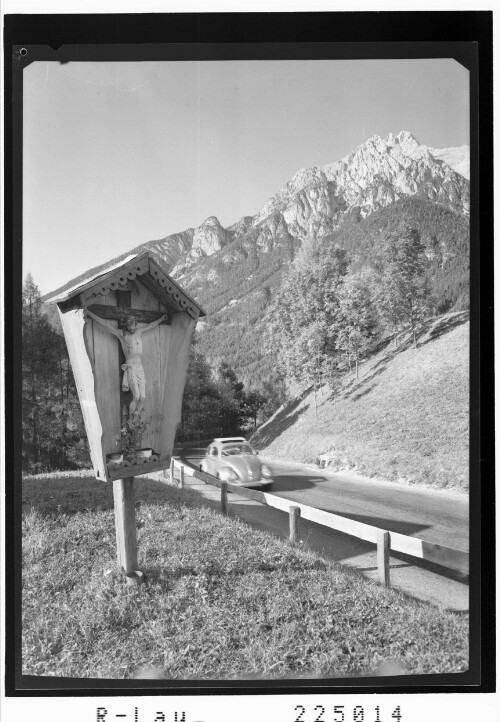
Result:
<point x="375" y="174"/>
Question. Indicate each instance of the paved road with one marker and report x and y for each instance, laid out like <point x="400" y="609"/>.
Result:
<point x="435" y="516"/>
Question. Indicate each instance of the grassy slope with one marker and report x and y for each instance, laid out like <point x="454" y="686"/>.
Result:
<point x="405" y="418"/>
<point x="222" y="600"/>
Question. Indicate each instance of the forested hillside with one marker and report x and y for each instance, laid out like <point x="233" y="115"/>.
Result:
<point x="406" y="418"/>
<point x="242" y="289"/>
<point x="53" y="431"/>
<point x="444" y="233"/>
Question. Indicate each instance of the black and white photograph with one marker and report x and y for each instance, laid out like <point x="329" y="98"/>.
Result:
<point x="247" y="382"/>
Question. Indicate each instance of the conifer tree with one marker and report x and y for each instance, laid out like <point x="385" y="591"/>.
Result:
<point x="357" y="318"/>
<point x="39" y="360"/>
<point x="404" y="296"/>
<point x="200" y="404"/>
<point x="254" y="402"/>
<point x="53" y="432"/>
<point x="302" y="320"/>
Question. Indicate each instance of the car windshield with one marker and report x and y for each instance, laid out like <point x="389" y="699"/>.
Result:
<point x="237" y="449"/>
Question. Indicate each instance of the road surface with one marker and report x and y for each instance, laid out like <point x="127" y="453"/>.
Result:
<point x="435" y="516"/>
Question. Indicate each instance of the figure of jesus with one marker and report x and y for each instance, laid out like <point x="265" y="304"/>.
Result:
<point x="129" y="336"/>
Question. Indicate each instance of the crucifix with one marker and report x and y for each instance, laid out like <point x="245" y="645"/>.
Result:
<point x="129" y="334"/>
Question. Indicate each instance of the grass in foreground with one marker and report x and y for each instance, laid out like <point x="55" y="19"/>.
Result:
<point x="222" y="600"/>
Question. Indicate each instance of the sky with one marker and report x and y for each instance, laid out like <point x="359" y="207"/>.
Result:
<point x="116" y="154"/>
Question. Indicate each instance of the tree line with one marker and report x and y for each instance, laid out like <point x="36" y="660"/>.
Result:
<point x="326" y="315"/>
<point x="216" y="402"/>
<point x="52" y="424"/>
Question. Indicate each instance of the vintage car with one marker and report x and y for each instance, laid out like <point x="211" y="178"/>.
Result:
<point x="233" y="459"/>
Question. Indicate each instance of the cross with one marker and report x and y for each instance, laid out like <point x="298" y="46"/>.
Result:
<point x="121" y="313"/>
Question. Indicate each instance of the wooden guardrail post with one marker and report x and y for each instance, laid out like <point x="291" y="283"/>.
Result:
<point x="172" y="469"/>
<point x="383" y="557"/>
<point x="223" y="497"/>
<point x="181" y="481"/>
<point x="294" y="516"/>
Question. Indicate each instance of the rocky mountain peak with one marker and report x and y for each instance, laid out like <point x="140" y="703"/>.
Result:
<point x="240" y="226"/>
<point x="405" y="137"/>
<point x="210" y="222"/>
<point x="457" y="158"/>
<point x="208" y="238"/>
<point x="316" y="200"/>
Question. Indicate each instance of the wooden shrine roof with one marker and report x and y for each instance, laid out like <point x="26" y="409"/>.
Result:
<point x="116" y="277"/>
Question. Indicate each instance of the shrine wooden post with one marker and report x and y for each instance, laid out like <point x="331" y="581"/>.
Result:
<point x="129" y="375"/>
<point x="123" y="489"/>
<point x="126" y="530"/>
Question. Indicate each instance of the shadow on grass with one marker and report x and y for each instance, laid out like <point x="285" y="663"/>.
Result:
<point x="284" y="419"/>
<point x="364" y="392"/>
<point x="438" y="328"/>
<point x="429" y="331"/>
<point x="354" y="385"/>
<point x="75" y="494"/>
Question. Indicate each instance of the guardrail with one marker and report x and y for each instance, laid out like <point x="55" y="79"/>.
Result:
<point x="385" y="540"/>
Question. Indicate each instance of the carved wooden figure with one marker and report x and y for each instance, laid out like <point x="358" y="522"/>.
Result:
<point x="128" y="331"/>
<point x="130" y="338"/>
